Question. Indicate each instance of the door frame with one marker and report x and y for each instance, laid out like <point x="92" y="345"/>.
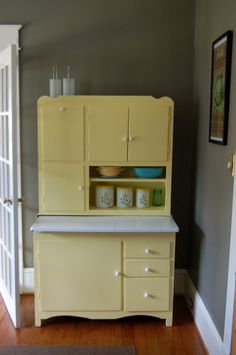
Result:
<point x="9" y="34"/>
<point x="229" y="309"/>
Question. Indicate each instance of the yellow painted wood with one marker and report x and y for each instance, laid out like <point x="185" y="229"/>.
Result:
<point x="75" y="274"/>
<point x="95" y="131"/>
<point x="156" y="290"/>
<point x="62" y="187"/>
<point x="107" y="132"/>
<point x="79" y="273"/>
<point x="149" y="133"/>
<point x="147" y="268"/>
<point x="61" y="130"/>
<point x="147" y="249"/>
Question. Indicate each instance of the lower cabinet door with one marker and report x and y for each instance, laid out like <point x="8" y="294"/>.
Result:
<point x="80" y="274"/>
<point x="147" y="294"/>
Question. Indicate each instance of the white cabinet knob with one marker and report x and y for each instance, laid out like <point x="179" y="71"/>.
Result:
<point x="146" y="295"/>
<point x="146" y="269"/>
<point x="147" y="251"/>
<point x="125" y="139"/>
<point x="81" y="188"/>
<point x="117" y="273"/>
<point x="130" y="139"/>
<point x="62" y="109"/>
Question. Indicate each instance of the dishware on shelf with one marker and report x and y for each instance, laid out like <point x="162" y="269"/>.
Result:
<point x="104" y="196"/>
<point x="148" y="172"/>
<point x="142" y="198"/>
<point x="109" y="171"/>
<point x="124" y="197"/>
<point x="54" y="83"/>
<point x="157" y="197"/>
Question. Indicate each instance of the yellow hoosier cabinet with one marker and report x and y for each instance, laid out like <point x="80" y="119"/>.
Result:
<point x="104" y="241"/>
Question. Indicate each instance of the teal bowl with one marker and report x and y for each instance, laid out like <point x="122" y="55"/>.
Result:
<point x="148" y="173"/>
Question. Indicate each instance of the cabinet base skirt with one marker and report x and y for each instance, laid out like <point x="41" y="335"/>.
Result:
<point x="39" y="317"/>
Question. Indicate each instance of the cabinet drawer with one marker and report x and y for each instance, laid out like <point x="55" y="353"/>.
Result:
<point x="147" y="268"/>
<point x="147" y="294"/>
<point x="146" y="249"/>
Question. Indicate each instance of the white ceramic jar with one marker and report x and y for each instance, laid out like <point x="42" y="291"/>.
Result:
<point x="142" y="198"/>
<point x="124" y="198"/>
<point x="104" y="196"/>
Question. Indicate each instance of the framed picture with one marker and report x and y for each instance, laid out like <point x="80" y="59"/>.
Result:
<point x="220" y="88"/>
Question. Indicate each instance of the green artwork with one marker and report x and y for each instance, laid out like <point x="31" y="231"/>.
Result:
<point x="219" y="92"/>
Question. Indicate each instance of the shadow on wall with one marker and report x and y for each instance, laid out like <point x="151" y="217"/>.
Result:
<point x="196" y="242"/>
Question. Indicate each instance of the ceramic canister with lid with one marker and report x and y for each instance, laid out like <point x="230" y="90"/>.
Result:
<point x="124" y="197"/>
<point x="104" y="196"/>
<point x="142" y="198"/>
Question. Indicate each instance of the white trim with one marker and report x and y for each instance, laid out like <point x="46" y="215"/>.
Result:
<point x="9" y="34"/>
<point x="203" y="320"/>
<point x="231" y="277"/>
<point x="28" y="280"/>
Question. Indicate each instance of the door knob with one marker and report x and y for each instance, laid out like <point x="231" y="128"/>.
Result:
<point x="7" y="200"/>
<point x="231" y="165"/>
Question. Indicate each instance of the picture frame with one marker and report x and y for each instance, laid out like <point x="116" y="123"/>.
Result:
<point x="220" y="88"/>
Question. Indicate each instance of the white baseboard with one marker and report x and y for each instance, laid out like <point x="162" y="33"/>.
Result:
<point x="28" y="279"/>
<point x="203" y="320"/>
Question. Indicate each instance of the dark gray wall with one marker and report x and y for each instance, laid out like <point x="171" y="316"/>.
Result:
<point x="213" y="182"/>
<point x="136" y="47"/>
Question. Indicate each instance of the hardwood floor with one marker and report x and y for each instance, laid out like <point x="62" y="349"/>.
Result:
<point x="149" y="335"/>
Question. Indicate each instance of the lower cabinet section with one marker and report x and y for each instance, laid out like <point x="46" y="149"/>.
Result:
<point x="104" y="275"/>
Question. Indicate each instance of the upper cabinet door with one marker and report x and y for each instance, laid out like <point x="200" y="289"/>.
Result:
<point x="61" y="131"/>
<point x="61" y="188"/>
<point x="148" y="133"/>
<point x="107" y="132"/>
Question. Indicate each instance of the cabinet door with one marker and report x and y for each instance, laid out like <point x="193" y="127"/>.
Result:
<point x="78" y="273"/>
<point x="107" y="132"/>
<point x="148" y="132"/>
<point x="61" y="131"/>
<point x="62" y="187"/>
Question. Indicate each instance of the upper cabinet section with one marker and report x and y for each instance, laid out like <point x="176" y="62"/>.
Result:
<point x="61" y="130"/>
<point x="80" y="135"/>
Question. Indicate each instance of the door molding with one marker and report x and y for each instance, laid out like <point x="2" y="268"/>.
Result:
<point x="229" y="309"/>
<point x="9" y="34"/>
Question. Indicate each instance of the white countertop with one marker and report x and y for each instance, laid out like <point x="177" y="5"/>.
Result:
<point x="110" y="224"/>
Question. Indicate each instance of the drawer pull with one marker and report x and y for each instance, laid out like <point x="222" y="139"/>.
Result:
<point x="148" y="251"/>
<point x="146" y="295"/>
<point x="81" y="188"/>
<point x="62" y="109"/>
<point x="125" y="139"/>
<point x="117" y="273"/>
<point x="146" y="269"/>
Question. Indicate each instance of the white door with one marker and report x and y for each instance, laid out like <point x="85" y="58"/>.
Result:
<point x="231" y="270"/>
<point x="9" y="263"/>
